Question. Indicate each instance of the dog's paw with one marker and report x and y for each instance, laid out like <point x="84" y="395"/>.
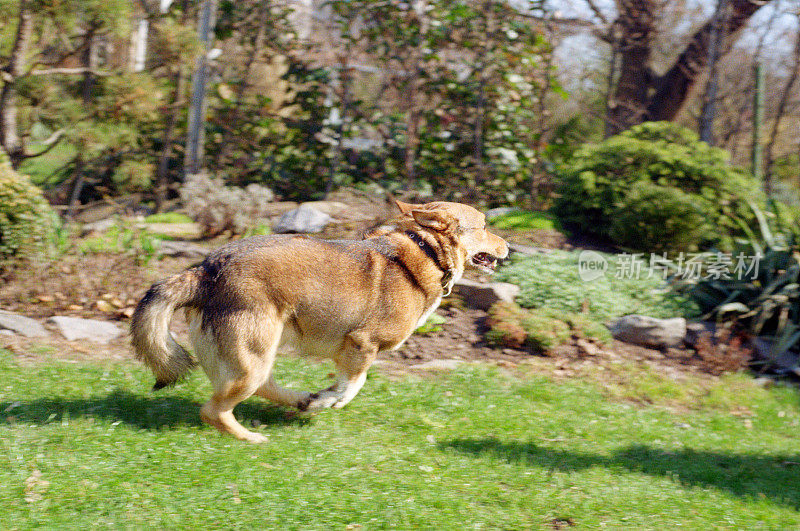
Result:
<point x="256" y="438"/>
<point x="318" y="401"/>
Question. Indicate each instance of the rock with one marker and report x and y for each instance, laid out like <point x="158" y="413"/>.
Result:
<point x="98" y="226"/>
<point x="19" y="324"/>
<point x="528" y="250"/>
<point x="649" y="331"/>
<point x="303" y="219"/>
<point x="497" y="212"/>
<point x="483" y="296"/>
<point x="104" y="306"/>
<point x="73" y="328"/>
<point x="438" y="365"/>
<point x="334" y="209"/>
<point x="181" y="249"/>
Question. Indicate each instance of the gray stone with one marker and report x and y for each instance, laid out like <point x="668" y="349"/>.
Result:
<point x="483" y="296"/>
<point x="438" y="365"/>
<point x="302" y="219"/>
<point x="98" y="226"/>
<point x="499" y="211"/>
<point x="73" y="328"/>
<point x="528" y="250"/>
<point x="649" y="331"/>
<point x="332" y="208"/>
<point x="19" y="324"/>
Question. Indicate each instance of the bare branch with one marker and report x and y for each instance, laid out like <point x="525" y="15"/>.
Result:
<point x="51" y="142"/>
<point x="596" y="10"/>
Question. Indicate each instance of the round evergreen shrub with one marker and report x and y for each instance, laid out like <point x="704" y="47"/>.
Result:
<point x="27" y="222"/>
<point x="655" y="187"/>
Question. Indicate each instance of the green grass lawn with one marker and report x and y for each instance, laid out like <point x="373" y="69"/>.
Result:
<point x="87" y="445"/>
<point x="524" y="220"/>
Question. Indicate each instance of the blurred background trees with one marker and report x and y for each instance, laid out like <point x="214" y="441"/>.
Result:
<point x="483" y="101"/>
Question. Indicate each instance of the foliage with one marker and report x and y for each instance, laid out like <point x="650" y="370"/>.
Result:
<point x="89" y="442"/>
<point x="552" y="281"/>
<point x="523" y="220"/>
<point x="433" y="324"/>
<point x="540" y="329"/>
<point x="27" y="223"/>
<point x="765" y="300"/>
<point x="122" y="239"/>
<point x="463" y="79"/>
<point x="655" y="187"/>
<point x="219" y="208"/>
<point x="168" y="217"/>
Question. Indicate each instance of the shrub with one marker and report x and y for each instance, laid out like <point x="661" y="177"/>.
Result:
<point x="655" y="187"/>
<point x="219" y="208"/>
<point x="27" y="222"/>
<point x="540" y="329"/>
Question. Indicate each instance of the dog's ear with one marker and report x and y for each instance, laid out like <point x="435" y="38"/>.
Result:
<point x="405" y="208"/>
<point x="439" y="220"/>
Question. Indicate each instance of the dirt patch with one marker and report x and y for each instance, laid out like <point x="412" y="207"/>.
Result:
<point x="461" y="338"/>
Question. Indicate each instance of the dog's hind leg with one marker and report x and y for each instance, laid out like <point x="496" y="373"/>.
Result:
<point x="281" y="395"/>
<point x="246" y="352"/>
<point x="352" y="362"/>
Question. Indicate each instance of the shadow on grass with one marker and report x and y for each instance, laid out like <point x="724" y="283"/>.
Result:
<point x="145" y="412"/>
<point x="744" y="475"/>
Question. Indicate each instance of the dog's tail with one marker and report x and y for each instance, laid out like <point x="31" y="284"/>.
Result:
<point x="152" y="340"/>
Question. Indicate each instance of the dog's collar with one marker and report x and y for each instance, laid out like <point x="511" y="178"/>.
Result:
<point x="447" y="275"/>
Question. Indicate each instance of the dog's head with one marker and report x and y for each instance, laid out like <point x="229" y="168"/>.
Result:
<point x="462" y="226"/>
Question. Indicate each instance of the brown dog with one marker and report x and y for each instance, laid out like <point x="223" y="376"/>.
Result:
<point x="345" y="300"/>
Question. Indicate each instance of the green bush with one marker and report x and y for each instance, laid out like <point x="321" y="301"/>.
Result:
<point x="553" y="281"/>
<point x="27" y="222"/>
<point x="655" y="187"/>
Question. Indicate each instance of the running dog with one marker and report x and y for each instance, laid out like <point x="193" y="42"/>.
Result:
<point x="344" y="300"/>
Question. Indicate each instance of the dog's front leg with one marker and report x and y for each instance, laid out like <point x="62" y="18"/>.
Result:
<point x="352" y="363"/>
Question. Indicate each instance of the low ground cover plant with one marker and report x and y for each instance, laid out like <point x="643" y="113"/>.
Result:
<point x="553" y="281"/>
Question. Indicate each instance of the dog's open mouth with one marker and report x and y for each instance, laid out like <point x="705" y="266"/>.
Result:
<point x="485" y="260"/>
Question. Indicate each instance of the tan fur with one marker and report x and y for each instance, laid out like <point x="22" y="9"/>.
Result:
<point x="343" y="300"/>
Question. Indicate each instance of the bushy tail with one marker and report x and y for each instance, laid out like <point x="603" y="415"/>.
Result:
<point x="152" y="340"/>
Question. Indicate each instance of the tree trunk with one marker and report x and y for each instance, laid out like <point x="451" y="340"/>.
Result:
<point x="629" y="104"/>
<point x="9" y="137"/>
<point x="161" y="184"/>
<point x="708" y="113"/>
<point x="412" y="130"/>
<point x="90" y="63"/>
<point x="639" y="96"/>
<point x="673" y="89"/>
